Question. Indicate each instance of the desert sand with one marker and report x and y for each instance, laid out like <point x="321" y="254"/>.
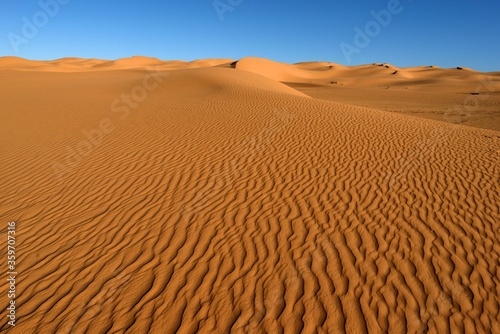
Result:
<point x="250" y="196"/>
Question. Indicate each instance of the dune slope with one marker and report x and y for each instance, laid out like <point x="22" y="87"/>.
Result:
<point x="213" y="200"/>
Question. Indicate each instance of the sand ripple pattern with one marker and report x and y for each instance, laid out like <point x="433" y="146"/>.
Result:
<point x="226" y="204"/>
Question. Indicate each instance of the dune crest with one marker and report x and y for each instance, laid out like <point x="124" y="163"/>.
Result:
<point x="212" y="199"/>
<point x="72" y="64"/>
<point x="286" y="72"/>
<point x="380" y="75"/>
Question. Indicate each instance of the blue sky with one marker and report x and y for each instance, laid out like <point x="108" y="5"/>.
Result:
<point x="420" y="32"/>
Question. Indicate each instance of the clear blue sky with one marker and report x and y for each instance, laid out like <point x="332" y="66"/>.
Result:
<point x="423" y="32"/>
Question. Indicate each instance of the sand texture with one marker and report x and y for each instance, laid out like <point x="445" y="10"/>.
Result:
<point x="211" y="197"/>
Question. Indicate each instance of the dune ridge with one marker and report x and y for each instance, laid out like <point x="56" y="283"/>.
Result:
<point x="226" y="201"/>
<point x="371" y="75"/>
<point x="73" y="64"/>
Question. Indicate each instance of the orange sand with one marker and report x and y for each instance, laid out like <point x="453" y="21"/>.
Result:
<point x="210" y="197"/>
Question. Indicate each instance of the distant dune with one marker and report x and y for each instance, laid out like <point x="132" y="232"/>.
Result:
<point x="86" y="65"/>
<point x="250" y="196"/>
<point x="372" y="75"/>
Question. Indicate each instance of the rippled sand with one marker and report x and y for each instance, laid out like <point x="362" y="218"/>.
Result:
<point x="173" y="197"/>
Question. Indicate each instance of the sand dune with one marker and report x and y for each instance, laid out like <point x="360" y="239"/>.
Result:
<point x="72" y="64"/>
<point x="311" y="73"/>
<point x="377" y="75"/>
<point x="372" y="75"/>
<point x="213" y="200"/>
<point x="437" y="103"/>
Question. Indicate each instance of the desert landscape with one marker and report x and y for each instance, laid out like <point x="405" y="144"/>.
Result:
<point x="250" y="196"/>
